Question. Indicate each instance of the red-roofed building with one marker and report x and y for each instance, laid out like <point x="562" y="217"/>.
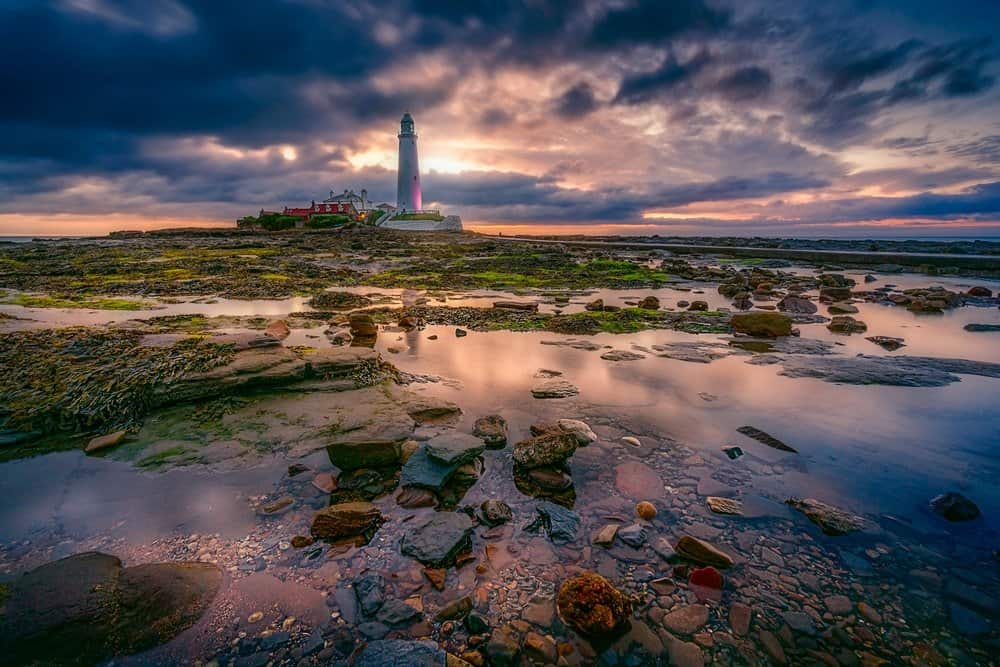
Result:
<point x="325" y="208"/>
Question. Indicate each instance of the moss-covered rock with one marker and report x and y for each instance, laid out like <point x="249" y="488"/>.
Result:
<point x="762" y="324"/>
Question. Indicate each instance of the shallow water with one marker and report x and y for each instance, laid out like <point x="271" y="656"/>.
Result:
<point x="875" y="450"/>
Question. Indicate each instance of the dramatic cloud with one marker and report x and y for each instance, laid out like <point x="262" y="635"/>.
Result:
<point x="690" y="115"/>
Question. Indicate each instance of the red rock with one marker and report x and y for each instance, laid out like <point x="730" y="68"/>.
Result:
<point x="278" y="329"/>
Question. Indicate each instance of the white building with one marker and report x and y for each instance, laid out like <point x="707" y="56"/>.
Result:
<point x="408" y="185"/>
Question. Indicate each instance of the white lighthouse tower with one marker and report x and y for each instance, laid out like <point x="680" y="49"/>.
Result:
<point x="408" y="187"/>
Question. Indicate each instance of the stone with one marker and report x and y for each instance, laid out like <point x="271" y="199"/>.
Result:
<point x="632" y="440"/>
<point x="550" y="478"/>
<point x="838" y="604"/>
<point x="278" y="329"/>
<point x="896" y="371"/>
<point x="369" y="589"/>
<point x="539" y="611"/>
<point x="590" y="604"/>
<point x="106" y="441"/>
<point x="954" y="506"/>
<point x="686" y="619"/>
<point x="638" y="481"/>
<point x="422" y="470"/>
<point x="461" y="333"/>
<point x="438" y="539"/>
<point x="765" y="438"/>
<point x="545" y="450"/>
<point x="705" y="577"/>
<point x="517" y="305"/>
<point x="495" y="512"/>
<point x="700" y="551"/>
<point x="595" y="305"/>
<point x="798" y="305"/>
<point x="649" y="303"/>
<point x="476" y="624"/>
<point x="457" y="608"/>
<point x="646" y="510"/>
<point x="832" y="520"/>
<point x="580" y="430"/>
<point x="622" y="355"/>
<point x="537" y="647"/>
<point x="725" y="505"/>
<point x="362" y="325"/>
<point x="634" y="535"/>
<point x="560" y="523"/>
<point x="276" y="507"/>
<point x="739" y="618"/>
<point x="870" y="614"/>
<point x="773" y="647"/>
<point x="412" y="497"/>
<point x="698" y="306"/>
<point x="733" y="452"/>
<point x="503" y="646"/>
<point x="606" y="535"/>
<point x="887" y="342"/>
<point x="980" y="291"/>
<point x="835" y="293"/>
<point x="324" y="482"/>
<point x="554" y="389"/>
<point x="492" y="429"/>
<point x="400" y="653"/>
<point x="846" y="324"/>
<point x="454" y="448"/>
<point x="436" y="576"/>
<point x="800" y="622"/>
<point x="87" y="608"/>
<point x="346" y="520"/>
<point x="685" y="654"/>
<point x="762" y="324"/>
<point x="842" y="308"/>
<point x="966" y="621"/>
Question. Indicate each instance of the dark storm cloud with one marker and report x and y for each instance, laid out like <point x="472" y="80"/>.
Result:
<point x="985" y="150"/>
<point x="672" y="74"/>
<point x="654" y="22"/>
<point x="745" y="83"/>
<point x="577" y="101"/>
<point x="848" y="70"/>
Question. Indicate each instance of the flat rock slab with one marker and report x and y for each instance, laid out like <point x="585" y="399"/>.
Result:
<point x="725" y="505"/>
<point x="454" y="448"/>
<point x="832" y="520"/>
<point x="436" y="540"/>
<point x="554" y="389"/>
<point x="621" y="355"/>
<point x="897" y="371"/>
<point x="401" y="653"/>
<point x="87" y="608"/>
<point x="765" y="438"/>
<point x="560" y="523"/>
<point x="424" y="471"/>
<point x="638" y="481"/>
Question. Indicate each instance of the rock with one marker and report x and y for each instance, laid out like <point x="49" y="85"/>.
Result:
<point x="425" y="471"/>
<point x="797" y="304"/>
<point x="842" y="308"/>
<point x="455" y="609"/>
<point x="762" y="324"/>
<point x="606" y="535"/>
<point x="391" y="652"/>
<point x="686" y="619"/>
<point x="966" y="621"/>
<point x="700" y="551"/>
<point x="87" y="608"/>
<point x="545" y="450"/>
<point x="278" y="329"/>
<point x="339" y="335"/>
<point x="324" y="482"/>
<point x="621" y="355"/>
<point x="492" y="429"/>
<point x="773" y="647"/>
<point x="683" y="304"/>
<point x="982" y="328"/>
<point x="954" y="506"/>
<point x="594" y="607"/>
<point x="438" y="539"/>
<point x="409" y="322"/>
<point x="765" y="438"/>
<point x="646" y="510"/>
<point x="898" y="371"/>
<point x="554" y="389"/>
<point x="362" y="325"/>
<point x="800" y="622"/>
<point x="869" y="278"/>
<point x="838" y="604"/>
<point x="846" y="324"/>
<point x="685" y="654"/>
<point x="503" y="646"/>
<point x="887" y="342"/>
<point x="835" y="293"/>
<point x="698" y="306"/>
<point x="980" y="291"/>
<point x="495" y="512"/>
<point x="412" y="497"/>
<point x="831" y="520"/>
<point x="634" y="535"/>
<point x="454" y="448"/>
<point x="459" y="333"/>
<point x="631" y="440"/>
<point x="550" y="478"/>
<point x="560" y="523"/>
<point x="584" y="434"/>
<point x="346" y="520"/>
<point x="739" y="618"/>
<point x="301" y="541"/>
<point x="725" y="505"/>
<point x="279" y="506"/>
<point x="105" y="441"/>
<point x="517" y="305"/>
<point x="733" y="452"/>
<point x="476" y="624"/>
<point x="369" y="589"/>
<point x="870" y="614"/>
<point x="537" y="647"/>
<point x="650" y="303"/>
<point x="595" y="305"/>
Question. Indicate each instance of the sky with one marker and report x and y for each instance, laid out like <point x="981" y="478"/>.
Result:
<point x="863" y="118"/>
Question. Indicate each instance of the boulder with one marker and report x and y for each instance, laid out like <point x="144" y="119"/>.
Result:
<point x="438" y="539"/>
<point x="422" y="470"/>
<point x="554" y="389"/>
<point x="454" y="448"/>
<point x="595" y="305"/>
<point x="760" y="324"/>
<point x="590" y="604"/>
<point x="954" y="506"/>
<point x="495" y="512"/>
<point x="698" y="306"/>
<point x="650" y="303"/>
<point x="87" y="608"/>
<point x="797" y="304"/>
<point x="831" y="520"/>
<point x="346" y="520"/>
<point x="842" y="308"/>
<point x="578" y="429"/>
<point x="545" y="450"/>
<point x="389" y="652"/>
<point x="980" y="291"/>
<point x="835" y="293"/>
<point x="369" y="589"/>
<point x="700" y="551"/>
<point x="846" y="324"/>
<point x="492" y="429"/>
<point x="362" y="325"/>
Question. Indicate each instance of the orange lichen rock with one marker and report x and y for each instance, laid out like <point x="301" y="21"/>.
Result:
<point x="592" y="605"/>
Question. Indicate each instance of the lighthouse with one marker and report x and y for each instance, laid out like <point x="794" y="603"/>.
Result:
<point x="408" y="186"/>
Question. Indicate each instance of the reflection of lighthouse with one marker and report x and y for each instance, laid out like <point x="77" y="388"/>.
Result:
<point x="408" y="187"/>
